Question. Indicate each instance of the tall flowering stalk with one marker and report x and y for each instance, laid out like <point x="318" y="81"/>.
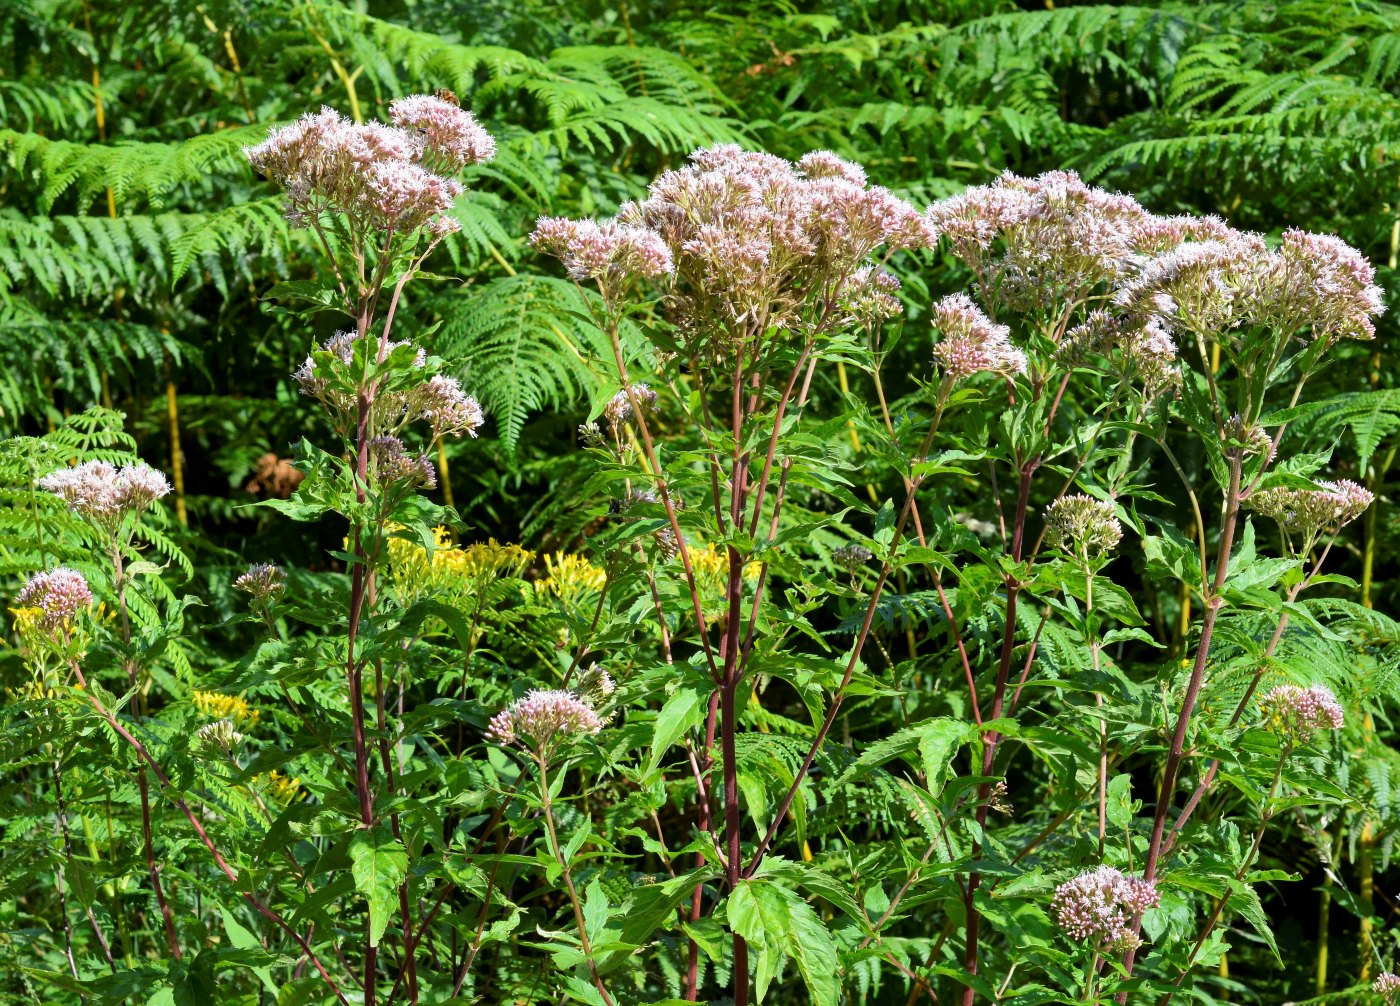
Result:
<point x="760" y="267"/>
<point x="378" y="198"/>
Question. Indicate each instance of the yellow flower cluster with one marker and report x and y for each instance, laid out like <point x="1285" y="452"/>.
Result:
<point x="568" y="577"/>
<point x="711" y="566"/>
<point x="218" y="706"/>
<point x="416" y="571"/>
<point x="278" y="787"/>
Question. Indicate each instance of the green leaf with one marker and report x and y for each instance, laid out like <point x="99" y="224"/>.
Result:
<point x="379" y="865"/>
<point x="681" y="713"/>
<point x="779" y="925"/>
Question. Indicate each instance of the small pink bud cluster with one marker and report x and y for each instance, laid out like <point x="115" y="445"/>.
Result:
<point x="391" y="462"/>
<point x="1140" y="350"/>
<point x="1248" y="439"/>
<point x="1101" y="905"/>
<point x="869" y="296"/>
<point x="1082" y="526"/>
<point x="1299" y="713"/>
<point x="596" y="685"/>
<point x="971" y="342"/>
<point x="1305" y="512"/>
<point x="60" y="594"/>
<point x="1387" y="986"/>
<point x="544" y="719"/>
<point x="104" y="493"/>
<point x="262" y="580"/>
<point x="619" y="408"/>
<point x="380" y="176"/>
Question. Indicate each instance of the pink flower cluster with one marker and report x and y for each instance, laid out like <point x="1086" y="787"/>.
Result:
<point x="60" y="594"/>
<point x="450" y="133"/>
<point x="619" y="408"/>
<point x="604" y="252"/>
<point x="749" y="240"/>
<point x="380" y="176"/>
<point x="104" y="493"/>
<point x="391" y="462"/>
<point x="1387" y="986"/>
<point x="971" y="342"/>
<point x="1299" y="713"/>
<point x="262" y="580"/>
<point x="1139" y="349"/>
<point x="438" y="401"/>
<point x="543" y="719"/>
<point x="1305" y="512"/>
<point x="1101" y="905"/>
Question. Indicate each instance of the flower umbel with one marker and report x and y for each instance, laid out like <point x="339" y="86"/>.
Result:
<point x="60" y="594"/>
<point x="263" y="581"/>
<point x="1100" y="905"/>
<point x="543" y="720"/>
<point x="1297" y="714"/>
<point x="1082" y="526"/>
<point x="1387" y="986"/>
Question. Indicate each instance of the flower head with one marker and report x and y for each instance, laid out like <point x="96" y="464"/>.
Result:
<point x="218" y="737"/>
<point x="382" y="176"/>
<point x="1305" y="512"/>
<point x="262" y="580"/>
<point x="852" y="557"/>
<point x="1082" y="526"/>
<point x="619" y="408"/>
<point x="1387" y="986"/>
<point x="104" y="493"/>
<point x="441" y="402"/>
<point x="971" y="342"/>
<point x="602" y="251"/>
<point x="1101" y="905"/>
<point x="1296" y="714"/>
<point x="450" y="132"/>
<point x="59" y="594"/>
<point x="393" y="463"/>
<point x="544" y="719"/>
<point x="1321" y="283"/>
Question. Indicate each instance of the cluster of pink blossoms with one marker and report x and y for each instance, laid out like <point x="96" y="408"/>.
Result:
<point x="262" y="580"/>
<point x="1387" y="986"/>
<point x="1305" y="512"/>
<point x="439" y="401"/>
<point x="748" y="242"/>
<point x="1299" y="713"/>
<point x="104" y="493"/>
<point x="971" y="342"/>
<point x="1101" y="905"/>
<point x="60" y="594"/>
<point x="380" y="176"/>
<point x="544" y="719"/>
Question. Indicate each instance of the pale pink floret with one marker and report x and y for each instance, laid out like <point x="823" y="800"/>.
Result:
<point x="1327" y="285"/>
<point x="1387" y="986"/>
<point x="825" y="164"/>
<point x="542" y="718"/>
<point x="1102" y="906"/>
<point x="60" y="594"/>
<point x="451" y="133"/>
<point x="1299" y="713"/>
<point x="972" y="343"/>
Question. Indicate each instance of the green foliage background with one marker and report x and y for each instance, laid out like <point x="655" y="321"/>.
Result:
<point x="137" y="250"/>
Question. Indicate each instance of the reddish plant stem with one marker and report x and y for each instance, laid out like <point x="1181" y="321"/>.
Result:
<point x="142" y="783"/>
<point x="219" y="860"/>
<point x="856" y="647"/>
<point x="1213" y="604"/>
<point x="984" y="790"/>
